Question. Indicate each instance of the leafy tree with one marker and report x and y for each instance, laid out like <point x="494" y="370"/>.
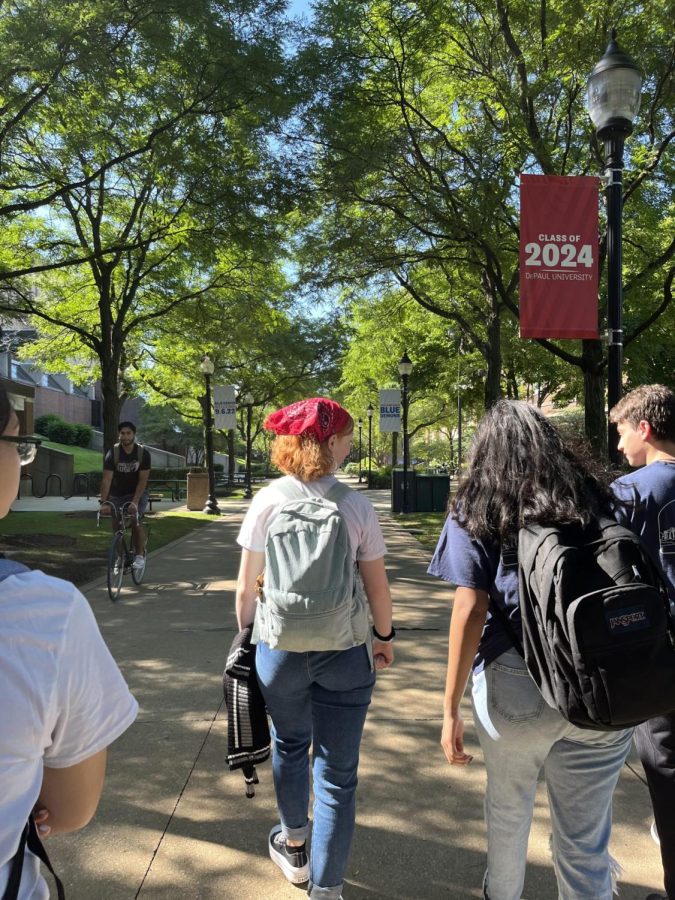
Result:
<point x="425" y="116"/>
<point x="162" y="426"/>
<point x="166" y="187"/>
<point x="382" y="328"/>
<point x="258" y="342"/>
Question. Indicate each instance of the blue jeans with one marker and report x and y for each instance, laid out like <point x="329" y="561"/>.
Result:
<point x="519" y="734"/>
<point x="318" y="698"/>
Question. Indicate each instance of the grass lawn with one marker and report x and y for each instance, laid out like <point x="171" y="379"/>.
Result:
<point x="84" y="461"/>
<point x="426" y="527"/>
<point x="69" y="545"/>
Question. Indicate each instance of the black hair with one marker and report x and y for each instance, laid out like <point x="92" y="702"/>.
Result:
<point x="521" y="471"/>
<point x="5" y="410"/>
<point x="126" y="425"/>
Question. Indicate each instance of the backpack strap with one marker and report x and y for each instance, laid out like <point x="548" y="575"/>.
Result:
<point x="508" y="627"/>
<point x="289" y="489"/>
<point x="292" y="491"/>
<point x="116" y="453"/>
<point x="30" y="839"/>
<point x="338" y="492"/>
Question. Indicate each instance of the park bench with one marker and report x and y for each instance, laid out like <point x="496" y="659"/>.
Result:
<point x="154" y="498"/>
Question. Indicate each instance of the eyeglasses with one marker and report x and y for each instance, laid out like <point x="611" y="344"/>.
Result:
<point x="26" y="447"/>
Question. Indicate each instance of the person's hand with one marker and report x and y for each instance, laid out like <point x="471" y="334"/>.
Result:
<point x="40" y="817"/>
<point x="452" y="739"/>
<point x="105" y="509"/>
<point x="383" y="653"/>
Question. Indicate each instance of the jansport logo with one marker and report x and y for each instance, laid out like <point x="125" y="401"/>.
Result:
<point x="628" y="620"/>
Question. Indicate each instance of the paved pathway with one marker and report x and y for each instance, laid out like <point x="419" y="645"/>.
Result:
<point x="173" y="823"/>
<point x="76" y="504"/>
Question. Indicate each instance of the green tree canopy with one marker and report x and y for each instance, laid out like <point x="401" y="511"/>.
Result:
<point x="427" y="113"/>
<point x="150" y="158"/>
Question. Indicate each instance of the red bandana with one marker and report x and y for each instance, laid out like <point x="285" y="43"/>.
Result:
<point x="318" y="416"/>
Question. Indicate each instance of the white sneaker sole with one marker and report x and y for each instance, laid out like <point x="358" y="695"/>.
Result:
<point x="292" y="874"/>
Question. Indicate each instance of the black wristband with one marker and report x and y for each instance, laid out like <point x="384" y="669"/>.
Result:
<point x="385" y="640"/>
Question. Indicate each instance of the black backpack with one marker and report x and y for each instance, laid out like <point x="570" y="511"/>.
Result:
<point x="598" y="634"/>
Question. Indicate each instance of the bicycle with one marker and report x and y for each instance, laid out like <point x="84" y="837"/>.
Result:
<point x="122" y="554"/>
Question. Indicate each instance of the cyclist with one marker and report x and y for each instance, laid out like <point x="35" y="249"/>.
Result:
<point x="126" y="469"/>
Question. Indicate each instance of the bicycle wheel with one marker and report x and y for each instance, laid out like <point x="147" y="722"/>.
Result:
<point x="116" y="558"/>
<point x="137" y="574"/>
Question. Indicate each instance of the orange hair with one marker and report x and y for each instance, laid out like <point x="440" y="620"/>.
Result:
<point x="303" y="456"/>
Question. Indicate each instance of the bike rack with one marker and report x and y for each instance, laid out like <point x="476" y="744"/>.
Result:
<point x="46" y="485"/>
<point x="27" y="476"/>
<point x="77" y="479"/>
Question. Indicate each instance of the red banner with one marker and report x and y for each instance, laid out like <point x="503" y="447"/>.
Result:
<point x="558" y="256"/>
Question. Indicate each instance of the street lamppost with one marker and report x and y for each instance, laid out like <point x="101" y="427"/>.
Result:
<point x="613" y="103"/>
<point x="369" y="413"/>
<point x="207" y="369"/>
<point x="404" y="370"/>
<point x="247" y="400"/>
<point x="360" y="424"/>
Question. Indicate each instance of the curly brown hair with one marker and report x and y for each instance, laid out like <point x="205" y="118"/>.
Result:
<point x="303" y="456"/>
<point x="653" y="403"/>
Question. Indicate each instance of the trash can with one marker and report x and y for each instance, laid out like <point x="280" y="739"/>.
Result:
<point x="197" y="490"/>
<point x="424" y="493"/>
<point x="397" y="491"/>
<point x="440" y="491"/>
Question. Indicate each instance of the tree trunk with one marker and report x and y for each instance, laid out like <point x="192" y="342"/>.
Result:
<point x="595" y="419"/>
<point x="112" y="405"/>
<point x="493" y="357"/>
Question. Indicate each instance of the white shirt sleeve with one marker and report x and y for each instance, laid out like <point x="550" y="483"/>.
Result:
<point x="91" y="704"/>
<point x="254" y="527"/>
<point x="372" y="544"/>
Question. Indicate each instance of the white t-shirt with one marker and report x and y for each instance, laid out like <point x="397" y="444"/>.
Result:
<point x="365" y="534"/>
<point x="62" y="699"/>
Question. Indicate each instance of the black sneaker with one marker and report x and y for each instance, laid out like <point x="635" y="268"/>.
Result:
<point x="291" y="860"/>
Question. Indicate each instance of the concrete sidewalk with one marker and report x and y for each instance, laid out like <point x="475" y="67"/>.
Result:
<point x="174" y="823"/>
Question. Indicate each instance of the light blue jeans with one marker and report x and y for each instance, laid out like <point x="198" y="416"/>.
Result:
<point x="519" y="734"/>
<point x="318" y="698"/>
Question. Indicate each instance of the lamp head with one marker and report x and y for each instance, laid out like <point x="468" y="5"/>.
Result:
<point x="614" y="92"/>
<point x="247" y="399"/>
<point x="206" y="366"/>
<point x="405" y="366"/>
<point x="370" y="411"/>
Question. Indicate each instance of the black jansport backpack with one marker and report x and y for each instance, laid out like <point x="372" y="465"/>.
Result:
<point x="598" y="635"/>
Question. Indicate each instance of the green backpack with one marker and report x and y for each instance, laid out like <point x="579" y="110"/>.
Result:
<point x="313" y="597"/>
